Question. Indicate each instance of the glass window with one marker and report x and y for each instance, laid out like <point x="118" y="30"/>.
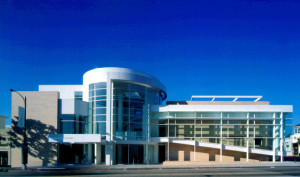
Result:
<point x="210" y="130"/>
<point x="101" y="103"/>
<point x="237" y="121"/>
<point x="91" y="86"/>
<point x="264" y="115"/>
<point x="263" y="130"/>
<point x="101" y="128"/>
<point x="172" y="130"/>
<point x="100" y="85"/>
<point x="67" y="127"/>
<point x="185" y="114"/>
<point x="172" y="121"/>
<point x="100" y="92"/>
<point x="100" y="118"/>
<point x="100" y="111"/>
<point x="211" y="121"/>
<point x="100" y="97"/>
<point x="78" y="95"/>
<point x="184" y="131"/>
<point x="136" y="119"/>
<point x="209" y="114"/>
<point x="91" y="93"/>
<point x="136" y="105"/>
<point x="121" y="85"/>
<point x="163" y="121"/>
<point x="235" y="114"/>
<point x="134" y="87"/>
<point x="178" y="121"/>
<point x="263" y="121"/>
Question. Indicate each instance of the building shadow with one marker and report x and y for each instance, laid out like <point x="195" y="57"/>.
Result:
<point x="37" y="139"/>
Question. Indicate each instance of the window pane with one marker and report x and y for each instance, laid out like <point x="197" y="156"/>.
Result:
<point x="211" y="122"/>
<point x="101" y="128"/>
<point x="101" y="103"/>
<point x="100" y="111"/>
<point x="91" y="86"/>
<point x="100" y="92"/>
<point x="100" y="98"/>
<point x="101" y="118"/>
<point x="91" y="93"/>
<point x="100" y="85"/>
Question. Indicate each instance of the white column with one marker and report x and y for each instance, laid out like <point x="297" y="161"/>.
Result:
<point x="168" y="139"/>
<point x="274" y="137"/>
<point x="195" y="137"/>
<point x="254" y="124"/>
<point x="221" y="140"/>
<point x="95" y="154"/>
<point x="281" y="136"/>
<point x="108" y="148"/>
<point x="108" y="155"/>
<point x="247" y="153"/>
<point x="112" y="112"/>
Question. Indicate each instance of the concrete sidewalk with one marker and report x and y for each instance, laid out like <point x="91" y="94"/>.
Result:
<point x="156" y="166"/>
<point x="236" y="165"/>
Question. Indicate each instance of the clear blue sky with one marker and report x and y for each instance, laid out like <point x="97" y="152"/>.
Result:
<point x="194" y="47"/>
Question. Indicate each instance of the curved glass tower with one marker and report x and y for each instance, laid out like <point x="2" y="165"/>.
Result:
<point x="119" y="107"/>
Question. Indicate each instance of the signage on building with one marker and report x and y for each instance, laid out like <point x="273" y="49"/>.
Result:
<point x="21" y="118"/>
<point x="74" y="138"/>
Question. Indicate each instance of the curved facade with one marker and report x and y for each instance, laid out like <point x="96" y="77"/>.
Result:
<point x="119" y="106"/>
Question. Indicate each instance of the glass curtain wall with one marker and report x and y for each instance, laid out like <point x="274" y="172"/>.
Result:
<point x="74" y="124"/>
<point x="130" y="110"/>
<point x="131" y="121"/>
<point x="206" y="127"/>
<point x="97" y="107"/>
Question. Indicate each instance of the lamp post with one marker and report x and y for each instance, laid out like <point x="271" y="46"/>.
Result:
<point x="24" y="145"/>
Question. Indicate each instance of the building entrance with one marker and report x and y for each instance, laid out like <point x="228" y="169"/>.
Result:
<point x="161" y="153"/>
<point x="133" y="155"/>
<point x="295" y="147"/>
<point x="3" y="158"/>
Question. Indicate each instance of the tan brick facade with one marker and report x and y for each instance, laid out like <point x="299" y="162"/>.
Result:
<point x="42" y="113"/>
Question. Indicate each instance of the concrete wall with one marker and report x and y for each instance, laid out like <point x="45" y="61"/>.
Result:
<point x="182" y="153"/>
<point x="42" y="113"/>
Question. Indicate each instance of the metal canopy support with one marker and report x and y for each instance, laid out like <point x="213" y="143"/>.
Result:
<point x="235" y="98"/>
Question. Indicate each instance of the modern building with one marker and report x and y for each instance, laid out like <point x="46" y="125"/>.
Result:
<point x="119" y="116"/>
<point x="4" y="143"/>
